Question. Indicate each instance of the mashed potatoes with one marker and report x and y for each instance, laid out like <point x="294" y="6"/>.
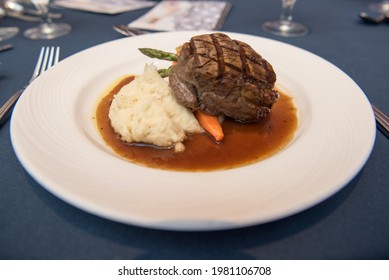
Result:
<point x="146" y="111"/>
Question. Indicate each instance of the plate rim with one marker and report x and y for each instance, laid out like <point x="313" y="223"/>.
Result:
<point x="181" y="225"/>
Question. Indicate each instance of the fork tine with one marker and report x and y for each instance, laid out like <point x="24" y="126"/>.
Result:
<point x="51" y="58"/>
<point x="56" y="59"/>
<point x="48" y="57"/>
<point x="38" y="65"/>
<point x="45" y="60"/>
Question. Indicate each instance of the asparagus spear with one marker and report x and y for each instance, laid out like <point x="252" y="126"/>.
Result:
<point x="153" y="53"/>
<point x="165" y="72"/>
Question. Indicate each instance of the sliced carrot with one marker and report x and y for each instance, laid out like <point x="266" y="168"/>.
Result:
<point x="178" y="51"/>
<point x="210" y="124"/>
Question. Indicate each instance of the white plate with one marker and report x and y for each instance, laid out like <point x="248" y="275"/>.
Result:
<point x="56" y="140"/>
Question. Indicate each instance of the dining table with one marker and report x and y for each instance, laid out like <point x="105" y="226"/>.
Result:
<point x="350" y="224"/>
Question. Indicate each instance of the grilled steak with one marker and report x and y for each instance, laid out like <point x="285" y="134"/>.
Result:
<point x="218" y="75"/>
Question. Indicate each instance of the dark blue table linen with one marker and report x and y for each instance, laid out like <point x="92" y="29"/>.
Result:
<point x="352" y="224"/>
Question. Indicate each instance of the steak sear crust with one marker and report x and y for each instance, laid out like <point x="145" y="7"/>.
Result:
<point x="218" y="75"/>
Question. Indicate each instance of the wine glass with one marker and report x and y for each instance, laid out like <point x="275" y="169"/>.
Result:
<point x="47" y="29"/>
<point x="382" y="7"/>
<point x="285" y="26"/>
<point x="8" y="32"/>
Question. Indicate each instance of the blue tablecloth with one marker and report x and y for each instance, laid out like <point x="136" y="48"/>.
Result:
<point x="352" y="224"/>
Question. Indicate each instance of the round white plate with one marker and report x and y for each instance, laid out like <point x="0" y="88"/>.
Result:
<point x="56" y="140"/>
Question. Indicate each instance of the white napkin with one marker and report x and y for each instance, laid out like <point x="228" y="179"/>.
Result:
<point x="104" y="6"/>
<point x="184" y="15"/>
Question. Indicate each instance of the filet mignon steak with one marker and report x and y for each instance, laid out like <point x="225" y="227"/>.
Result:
<point x="218" y="75"/>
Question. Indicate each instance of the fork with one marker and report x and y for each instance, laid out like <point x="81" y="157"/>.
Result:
<point x="48" y="56"/>
<point x="128" y="31"/>
<point x="382" y="121"/>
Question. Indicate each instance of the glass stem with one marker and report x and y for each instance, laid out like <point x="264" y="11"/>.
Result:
<point x="48" y="20"/>
<point x="287" y="9"/>
<point x="44" y="10"/>
<point x="385" y="6"/>
<point x="46" y="17"/>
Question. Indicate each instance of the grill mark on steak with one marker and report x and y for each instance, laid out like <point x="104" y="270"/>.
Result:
<point x="220" y="57"/>
<point x="193" y="50"/>
<point x="192" y="47"/>
<point x="243" y="59"/>
<point x="268" y="72"/>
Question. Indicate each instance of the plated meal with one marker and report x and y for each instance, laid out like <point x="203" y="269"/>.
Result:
<point x="54" y="135"/>
<point x="217" y="108"/>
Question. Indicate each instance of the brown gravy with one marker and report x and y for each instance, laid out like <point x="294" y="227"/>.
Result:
<point x="243" y="143"/>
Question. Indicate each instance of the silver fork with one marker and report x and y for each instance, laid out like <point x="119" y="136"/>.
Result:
<point x="48" y="56"/>
<point x="382" y="121"/>
<point x="128" y="31"/>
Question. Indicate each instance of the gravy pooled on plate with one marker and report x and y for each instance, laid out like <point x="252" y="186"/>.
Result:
<point x="244" y="143"/>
